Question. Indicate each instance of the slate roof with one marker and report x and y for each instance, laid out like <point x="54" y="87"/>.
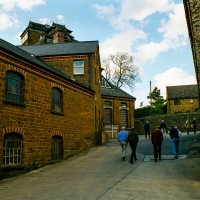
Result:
<point x="182" y="92"/>
<point x="44" y="27"/>
<point x="20" y="53"/>
<point x="115" y="92"/>
<point x="68" y="48"/>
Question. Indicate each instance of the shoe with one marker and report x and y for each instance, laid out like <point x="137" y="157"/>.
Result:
<point x="135" y="159"/>
<point x="155" y="160"/>
<point x="131" y="162"/>
<point x="160" y="159"/>
<point x="123" y="158"/>
<point x="175" y="157"/>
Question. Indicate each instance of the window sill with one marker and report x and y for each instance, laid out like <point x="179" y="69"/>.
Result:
<point x="12" y="167"/>
<point x="57" y="113"/>
<point x="14" y="103"/>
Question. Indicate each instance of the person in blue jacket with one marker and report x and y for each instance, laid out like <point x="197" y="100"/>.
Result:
<point x="122" y="138"/>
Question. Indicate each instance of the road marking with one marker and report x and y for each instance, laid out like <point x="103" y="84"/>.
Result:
<point x="149" y="158"/>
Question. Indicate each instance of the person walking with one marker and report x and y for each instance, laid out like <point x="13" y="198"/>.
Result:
<point x="163" y="127"/>
<point x="194" y="125"/>
<point x="133" y="140"/>
<point x="174" y="136"/>
<point x="147" y="129"/>
<point x="122" y="138"/>
<point x="187" y="126"/>
<point x="156" y="140"/>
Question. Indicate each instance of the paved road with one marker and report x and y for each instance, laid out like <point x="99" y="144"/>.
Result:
<point x="100" y="174"/>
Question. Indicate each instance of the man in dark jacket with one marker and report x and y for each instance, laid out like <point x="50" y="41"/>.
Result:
<point x="174" y="136"/>
<point x="156" y="140"/>
<point x="133" y="140"/>
<point x="147" y="129"/>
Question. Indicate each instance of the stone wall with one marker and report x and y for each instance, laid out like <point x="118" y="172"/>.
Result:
<point x="170" y="119"/>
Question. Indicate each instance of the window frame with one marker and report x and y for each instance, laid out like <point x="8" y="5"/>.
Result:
<point x="14" y="88"/>
<point x="57" y="107"/>
<point x="78" y="67"/>
<point x="177" y="101"/>
<point x="11" y="154"/>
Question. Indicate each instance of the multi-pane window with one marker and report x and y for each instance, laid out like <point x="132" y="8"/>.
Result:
<point x="14" y="87"/>
<point x="12" y="149"/>
<point x="79" y="67"/>
<point x="177" y="102"/>
<point x="57" y="100"/>
<point x="124" y="118"/>
<point x="124" y="114"/>
<point x="57" y="148"/>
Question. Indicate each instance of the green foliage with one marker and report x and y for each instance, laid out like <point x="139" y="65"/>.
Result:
<point x="149" y="111"/>
<point x="157" y="102"/>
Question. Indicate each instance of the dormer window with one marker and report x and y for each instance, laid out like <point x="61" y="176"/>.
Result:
<point x="104" y="83"/>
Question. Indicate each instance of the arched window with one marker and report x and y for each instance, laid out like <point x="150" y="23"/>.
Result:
<point x="57" y="100"/>
<point x="12" y="149"/>
<point x="14" y="87"/>
<point x="57" y="148"/>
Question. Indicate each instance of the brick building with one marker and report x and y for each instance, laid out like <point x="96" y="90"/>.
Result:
<point x="45" y="115"/>
<point x="181" y="99"/>
<point x="193" y="24"/>
<point x="118" y="108"/>
<point x="36" y="33"/>
<point x="51" y="101"/>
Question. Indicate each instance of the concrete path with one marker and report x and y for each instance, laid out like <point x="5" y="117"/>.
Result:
<point x="101" y="174"/>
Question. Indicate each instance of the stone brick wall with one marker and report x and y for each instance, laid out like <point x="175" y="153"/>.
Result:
<point x="38" y="124"/>
<point x="177" y="119"/>
<point x="185" y="106"/>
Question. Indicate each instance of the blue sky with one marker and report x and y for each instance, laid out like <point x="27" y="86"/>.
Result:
<point x="154" y="32"/>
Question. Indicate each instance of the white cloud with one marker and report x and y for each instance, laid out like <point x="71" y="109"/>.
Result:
<point x="173" y="76"/>
<point x="175" y="29"/>
<point x="150" y="51"/>
<point x="8" y="5"/>
<point x="44" y="20"/>
<point x="139" y="10"/>
<point x="61" y="18"/>
<point x="174" y="36"/>
<point x="118" y="43"/>
<point x="104" y="11"/>
<point x="7" y="21"/>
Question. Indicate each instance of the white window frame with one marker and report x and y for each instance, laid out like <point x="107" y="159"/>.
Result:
<point x="78" y="67"/>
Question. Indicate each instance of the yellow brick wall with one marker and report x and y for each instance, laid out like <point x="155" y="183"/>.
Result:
<point x="185" y="106"/>
<point x="38" y="124"/>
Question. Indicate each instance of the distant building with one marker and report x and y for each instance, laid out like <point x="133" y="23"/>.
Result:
<point x="118" y="107"/>
<point x="183" y="98"/>
<point x="36" y="33"/>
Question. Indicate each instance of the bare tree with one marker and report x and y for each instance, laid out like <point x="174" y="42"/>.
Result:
<point x="121" y="70"/>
